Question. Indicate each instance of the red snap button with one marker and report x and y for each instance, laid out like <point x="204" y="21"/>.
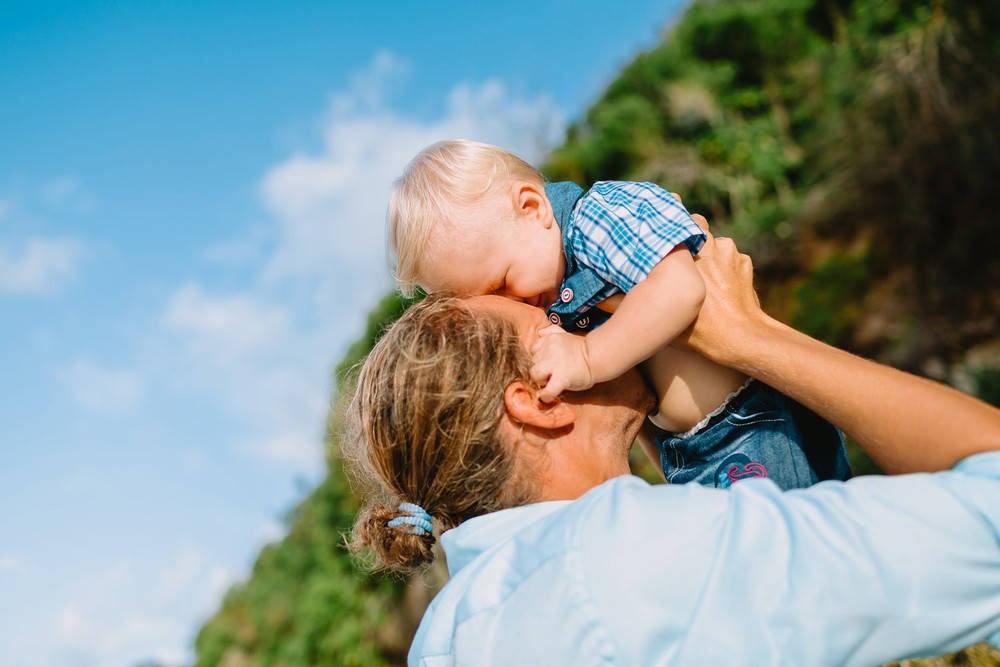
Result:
<point x="554" y="318"/>
<point x="566" y="295"/>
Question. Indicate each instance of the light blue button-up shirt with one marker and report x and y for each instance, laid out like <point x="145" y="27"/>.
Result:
<point x="856" y="573"/>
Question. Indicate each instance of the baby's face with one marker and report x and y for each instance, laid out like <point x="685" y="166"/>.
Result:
<point x="515" y="258"/>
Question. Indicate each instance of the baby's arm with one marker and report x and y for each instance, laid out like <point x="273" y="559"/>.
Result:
<point x="651" y="315"/>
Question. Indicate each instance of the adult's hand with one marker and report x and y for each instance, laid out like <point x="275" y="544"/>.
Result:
<point x="905" y="423"/>
<point x="731" y="312"/>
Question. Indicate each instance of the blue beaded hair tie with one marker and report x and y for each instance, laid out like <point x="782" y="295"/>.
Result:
<point x="419" y="520"/>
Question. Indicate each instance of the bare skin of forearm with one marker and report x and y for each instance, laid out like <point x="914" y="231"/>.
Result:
<point x="905" y="423"/>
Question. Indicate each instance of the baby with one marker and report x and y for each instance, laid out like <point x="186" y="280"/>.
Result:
<point x="615" y="263"/>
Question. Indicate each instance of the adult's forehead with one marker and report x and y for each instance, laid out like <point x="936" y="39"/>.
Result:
<point x="526" y="319"/>
<point x="508" y="308"/>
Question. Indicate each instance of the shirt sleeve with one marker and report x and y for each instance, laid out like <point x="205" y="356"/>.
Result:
<point x="856" y="573"/>
<point x="623" y="229"/>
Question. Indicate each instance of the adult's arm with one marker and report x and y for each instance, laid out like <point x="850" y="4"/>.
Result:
<point x="905" y="423"/>
<point x="854" y="574"/>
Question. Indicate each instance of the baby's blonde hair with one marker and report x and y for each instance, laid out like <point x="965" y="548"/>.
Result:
<point x="443" y="179"/>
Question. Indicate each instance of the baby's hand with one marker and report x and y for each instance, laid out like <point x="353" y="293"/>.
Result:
<point x="560" y="363"/>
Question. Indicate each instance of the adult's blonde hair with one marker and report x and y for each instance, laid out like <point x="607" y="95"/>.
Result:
<point x="425" y="418"/>
<point x="439" y="185"/>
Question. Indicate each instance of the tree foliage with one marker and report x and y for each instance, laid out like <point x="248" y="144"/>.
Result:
<point x="818" y="132"/>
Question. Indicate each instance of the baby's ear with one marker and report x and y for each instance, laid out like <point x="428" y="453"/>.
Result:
<point x="530" y="201"/>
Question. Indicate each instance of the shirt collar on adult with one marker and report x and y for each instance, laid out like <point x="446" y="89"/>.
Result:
<point x="463" y="544"/>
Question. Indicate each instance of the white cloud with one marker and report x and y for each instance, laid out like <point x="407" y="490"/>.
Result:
<point x="367" y="89"/>
<point x="245" y="353"/>
<point x="218" y="580"/>
<point x="193" y="579"/>
<point x="34" y="260"/>
<point x="40" y="265"/>
<point x="322" y="260"/>
<point x="61" y="189"/>
<point x="102" y="389"/>
<point x="241" y="251"/>
<point x="330" y="205"/>
<point x="84" y="639"/>
<point x="187" y="565"/>
<point x="225" y="326"/>
<point x="10" y="563"/>
<point x="193" y="460"/>
<point x="65" y="194"/>
<point x="272" y="531"/>
<point x="303" y="449"/>
<point x="121" y="616"/>
<point x="76" y="629"/>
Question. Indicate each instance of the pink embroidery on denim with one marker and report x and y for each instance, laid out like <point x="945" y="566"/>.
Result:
<point x="750" y="470"/>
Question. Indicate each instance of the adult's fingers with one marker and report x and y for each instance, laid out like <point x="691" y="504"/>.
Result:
<point x="697" y="217"/>
<point x="731" y="272"/>
<point x="709" y="247"/>
<point x="702" y="221"/>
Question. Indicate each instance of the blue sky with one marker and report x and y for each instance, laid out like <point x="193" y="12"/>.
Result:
<point x="191" y="212"/>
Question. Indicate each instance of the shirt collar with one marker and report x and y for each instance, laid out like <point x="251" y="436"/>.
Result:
<point x="464" y="544"/>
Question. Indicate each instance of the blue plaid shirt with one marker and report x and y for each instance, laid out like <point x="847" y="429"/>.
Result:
<point x="613" y="236"/>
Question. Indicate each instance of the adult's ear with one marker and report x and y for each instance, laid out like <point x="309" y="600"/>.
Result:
<point x="523" y="405"/>
<point x="530" y="202"/>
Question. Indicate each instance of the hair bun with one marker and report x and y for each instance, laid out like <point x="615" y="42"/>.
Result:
<point x="403" y="546"/>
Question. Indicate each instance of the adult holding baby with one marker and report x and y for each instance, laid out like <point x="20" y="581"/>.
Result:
<point x="558" y="557"/>
<point x="615" y="263"/>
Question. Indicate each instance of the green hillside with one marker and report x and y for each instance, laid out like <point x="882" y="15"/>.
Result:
<point x="851" y="146"/>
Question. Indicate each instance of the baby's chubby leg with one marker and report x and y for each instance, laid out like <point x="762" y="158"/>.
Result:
<point x="688" y="385"/>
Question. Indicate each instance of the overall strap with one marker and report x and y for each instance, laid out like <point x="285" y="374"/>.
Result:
<point x="582" y="287"/>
